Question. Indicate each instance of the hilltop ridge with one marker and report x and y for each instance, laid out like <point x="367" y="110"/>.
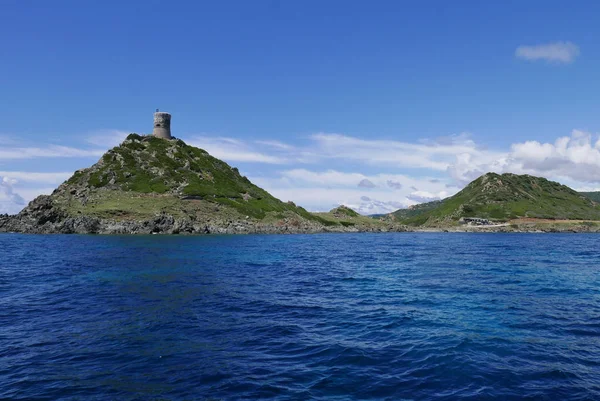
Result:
<point x="150" y="165"/>
<point x="502" y="197"/>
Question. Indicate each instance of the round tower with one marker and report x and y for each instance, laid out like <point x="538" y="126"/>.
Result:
<point x="162" y="125"/>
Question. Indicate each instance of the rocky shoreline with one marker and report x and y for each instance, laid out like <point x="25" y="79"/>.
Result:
<point x="166" y="224"/>
<point x="42" y="217"/>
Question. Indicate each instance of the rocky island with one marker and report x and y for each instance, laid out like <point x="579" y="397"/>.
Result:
<point x="159" y="184"/>
<point x="154" y="185"/>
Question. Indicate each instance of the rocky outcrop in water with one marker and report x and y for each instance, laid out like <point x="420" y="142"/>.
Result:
<point x="167" y="224"/>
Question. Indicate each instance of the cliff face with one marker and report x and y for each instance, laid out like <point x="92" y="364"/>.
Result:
<point x="151" y="185"/>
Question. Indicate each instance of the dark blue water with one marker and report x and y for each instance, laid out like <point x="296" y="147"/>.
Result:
<point x="340" y="316"/>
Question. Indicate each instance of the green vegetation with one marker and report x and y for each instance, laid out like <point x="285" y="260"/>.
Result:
<point x="504" y="197"/>
<point x="416" y="210"/>
<point x="346" y="217"/>
<point x="344" y="211"/>
<point x="595" y="196"/>
<point x="146" y="175"/>
<point x="124" y="206"/>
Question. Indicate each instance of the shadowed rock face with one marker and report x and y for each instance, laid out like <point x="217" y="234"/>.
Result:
<point x="168" y="224"/>
<point x="4" y="219"/>
<point x="42" y="210"/>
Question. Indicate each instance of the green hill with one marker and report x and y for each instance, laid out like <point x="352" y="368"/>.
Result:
<point x="504" y="197"/>
<point x="145" y="175"/>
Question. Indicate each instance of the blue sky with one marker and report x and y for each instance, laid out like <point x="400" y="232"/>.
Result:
<point x="375" y="105"/>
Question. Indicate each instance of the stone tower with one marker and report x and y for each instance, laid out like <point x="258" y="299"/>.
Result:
<point x="162" y="125"/>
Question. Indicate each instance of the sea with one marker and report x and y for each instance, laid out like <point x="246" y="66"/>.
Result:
<point x="390" y="316"/>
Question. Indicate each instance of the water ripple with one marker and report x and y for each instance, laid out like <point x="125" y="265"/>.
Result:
<point x="383" y="317"/>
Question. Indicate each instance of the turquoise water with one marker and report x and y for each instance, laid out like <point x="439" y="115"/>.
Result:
<point x="334" y="316"/>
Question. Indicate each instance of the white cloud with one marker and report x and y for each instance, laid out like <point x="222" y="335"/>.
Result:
<point x="437" y="155"/>
<point x="329" y="178"/>
<point x="275" y="144"/>
<point x="324" y="190"/>
<point x="48" y="178"/>
<point x="108" y="138"/>
<point x="424" y="196"/>
<point x="10" y="201"/>
<point x="11" y="149"/>
<point x="233" y="150"/>
<point x="19" y="187"/>
<point x="320" y="199"/>
<point x="584" y="188"/>
<point x="576" y="157"/>
<point x="432" y="156"/>
<point x="369" y="205"/>
<point x="298" y="178"/>
<point x="557" y="52"/>
<point x="51" y="151"/>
